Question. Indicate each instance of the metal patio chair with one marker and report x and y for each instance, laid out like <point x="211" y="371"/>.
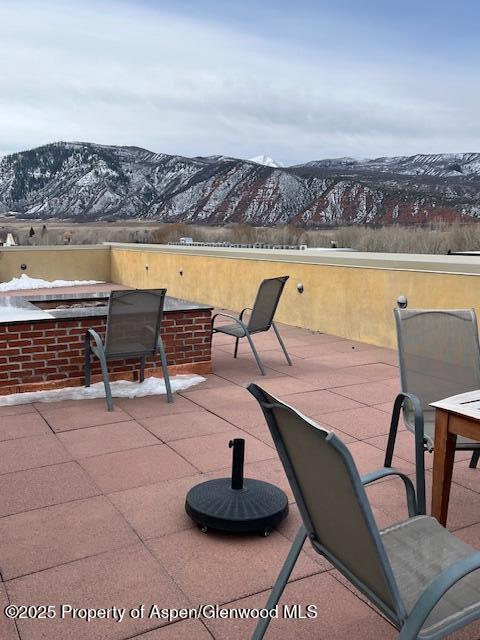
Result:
<point x="261" y="318"/>
<point x="133" y="330"/>
<point x="420" y="576"/>
<point x="439" y="357"/>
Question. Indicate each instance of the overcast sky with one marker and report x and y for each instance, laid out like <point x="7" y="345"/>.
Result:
<point x="297" y="80"/>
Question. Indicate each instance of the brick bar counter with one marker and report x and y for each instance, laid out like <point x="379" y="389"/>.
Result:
<point x="42" y="345"/>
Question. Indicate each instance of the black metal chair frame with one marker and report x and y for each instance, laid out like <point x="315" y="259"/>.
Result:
<point x="247" y="333"/>
<point x="100" y="350"/>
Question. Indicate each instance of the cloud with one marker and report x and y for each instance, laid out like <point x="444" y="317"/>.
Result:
<point x="127" y="73"/>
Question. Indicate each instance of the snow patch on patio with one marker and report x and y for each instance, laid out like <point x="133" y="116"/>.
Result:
<point x="25" y="282"/>
<point x="120" y="389"/>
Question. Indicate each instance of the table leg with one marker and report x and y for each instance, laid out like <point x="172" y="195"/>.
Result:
<point x="443" y="458"/>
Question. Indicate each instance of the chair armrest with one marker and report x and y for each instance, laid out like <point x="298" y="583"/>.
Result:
<point x="226" y="315"/>
<point x="91" y="333"/>
<point x="243" y="311"/>
<point x="432" y="594"/>
<point x="378" y="474"/>
<point x="417" y="412"/>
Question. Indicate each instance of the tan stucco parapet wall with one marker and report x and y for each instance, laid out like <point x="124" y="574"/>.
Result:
<point x="339" y="257"/>
<point x="65" y="262"/>
<point x="346" y="293"/>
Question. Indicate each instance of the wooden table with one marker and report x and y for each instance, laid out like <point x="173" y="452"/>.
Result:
<point x="448" y="425"/>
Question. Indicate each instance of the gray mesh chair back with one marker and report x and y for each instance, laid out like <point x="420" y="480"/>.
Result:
<point x="332" y="501"/>
<point x="439" y="355"/>
<point x="260" y="319"/>
<point x="423" y="578"/>
<point x="265" y="305"/>
<point x="134" y="319"/>
<point x="133" y="327"/>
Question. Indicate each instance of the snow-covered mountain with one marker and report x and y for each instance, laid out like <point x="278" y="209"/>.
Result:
<point x="444" y="165"/>
<point x="267" y="161"/>
<point x="86" y="181"/>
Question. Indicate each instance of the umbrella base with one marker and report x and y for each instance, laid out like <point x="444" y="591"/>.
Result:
<point x="257" y="507"/>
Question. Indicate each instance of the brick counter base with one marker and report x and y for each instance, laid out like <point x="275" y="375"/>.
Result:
<point x="37" y="355"/>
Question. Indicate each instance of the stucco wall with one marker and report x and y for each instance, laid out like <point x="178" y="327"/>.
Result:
<point x="346" y="294"/>
<point x="52" y="263"/>
<point x="351" y="301"/>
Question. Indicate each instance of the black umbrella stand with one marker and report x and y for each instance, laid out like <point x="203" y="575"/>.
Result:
<point x="236" y="504"/>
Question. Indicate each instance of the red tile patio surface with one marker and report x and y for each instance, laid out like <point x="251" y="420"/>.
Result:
<point x="92" y="503"/>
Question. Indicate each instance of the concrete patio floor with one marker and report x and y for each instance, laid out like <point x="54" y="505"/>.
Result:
<point x="92" y="503"/>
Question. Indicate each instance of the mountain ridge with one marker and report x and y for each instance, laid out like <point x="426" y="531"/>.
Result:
<point x="444" y="165"/>
<point x="88" y="181"/>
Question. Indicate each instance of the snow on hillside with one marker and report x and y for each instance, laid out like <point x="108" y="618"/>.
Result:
<point x="87" y="182"/>
<point x="267" y="161"/>
<point x="444" y="165"/>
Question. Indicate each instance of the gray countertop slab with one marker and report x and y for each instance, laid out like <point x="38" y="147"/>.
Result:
<point x="23" y="309"/>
